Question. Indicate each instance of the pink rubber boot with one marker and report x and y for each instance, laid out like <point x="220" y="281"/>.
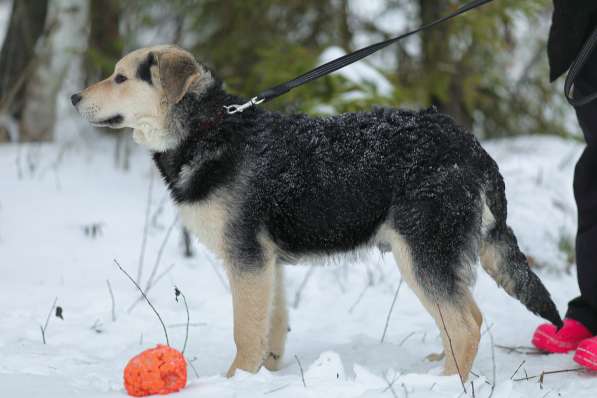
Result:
<point x="547" y="338"/>
<point x="586" y="354"/>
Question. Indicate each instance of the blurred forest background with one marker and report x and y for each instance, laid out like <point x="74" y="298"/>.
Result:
<point x="487" y="69"/>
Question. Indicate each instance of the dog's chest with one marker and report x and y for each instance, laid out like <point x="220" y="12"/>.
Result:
<point x="206" y="220"/>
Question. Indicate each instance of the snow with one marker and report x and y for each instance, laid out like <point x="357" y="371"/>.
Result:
<point x="360" y="72"/>
<point x="50" y="192"/>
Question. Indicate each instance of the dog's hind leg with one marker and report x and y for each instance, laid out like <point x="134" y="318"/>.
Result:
<point x="456" y="316"/>
<point x="252" y="293"/>
<point x="477" y="315"/>
<point x="278" y="322"/>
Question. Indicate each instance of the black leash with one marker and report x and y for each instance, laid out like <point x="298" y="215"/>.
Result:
<point x="343" y="61"/>
<point x="575" y="69"/>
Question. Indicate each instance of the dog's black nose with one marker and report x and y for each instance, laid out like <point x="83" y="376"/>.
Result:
<point x="75" y="99"/>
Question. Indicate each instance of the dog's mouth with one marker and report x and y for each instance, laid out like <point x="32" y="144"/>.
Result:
<point x="113" y="121"/>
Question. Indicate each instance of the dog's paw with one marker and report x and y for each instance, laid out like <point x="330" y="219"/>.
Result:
<point x="231" y="371"/>
<point x="247" y="366"/>
<point x="273" y="362"/>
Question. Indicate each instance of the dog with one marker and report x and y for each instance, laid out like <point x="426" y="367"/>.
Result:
<point x="261" y="189"/>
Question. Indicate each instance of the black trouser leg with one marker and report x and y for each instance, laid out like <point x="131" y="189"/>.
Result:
<point x="584" y="308"/>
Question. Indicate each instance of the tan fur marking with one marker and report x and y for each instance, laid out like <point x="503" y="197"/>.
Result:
<point x="477" y="314"/>
<point x="207" y="220"/>
<point x="178" y="71"/>
<point x="464" y="335"/>
<point x="460" y="321"/>
<point x="252" y="302"/>
<point x="487" y="218"/>
<point x="279" y="322"/>
<point x="490" y="260"/>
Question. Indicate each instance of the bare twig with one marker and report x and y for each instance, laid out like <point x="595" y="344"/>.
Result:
<point x="493" y="367"/>
<point x="406" y="338"/>
<point x="184" y="325"/>
<point x="146" y="299"/>
<point x="159" y="278"/>
<point x="45" y="326"/>
<point x="451" y="348"/>
<point x="390" y="385"/>
<point x="158" y="259"/>
<point x="521" y="350"/>
<point x="541" y="378"/>
<point x="276" y="389"/>
<point x="385" y="329"/>
<point x="358" y="300"/>
<point x="145" y="228"/>
<point x="478" y="377"/>
<point x="158" y="211"/>
<point x="517" y="369"/>
<point x="487" y="329"/>
<point x="177" y="292"/>
<point x="552" y="372"/>
<point x="152" y="280"/>
<point x="187" y="243"/>
<point x="337" y="276"/>
<point x="112" y="299"/>
<point x="18" y="161"/>
<point x="301" y="369"/>
<point x="405" y="390"/>
<point x="299" y="291"/>
<point x="190" y="362"/>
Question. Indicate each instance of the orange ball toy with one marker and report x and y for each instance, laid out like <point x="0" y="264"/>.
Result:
<point x="159" y="370"/>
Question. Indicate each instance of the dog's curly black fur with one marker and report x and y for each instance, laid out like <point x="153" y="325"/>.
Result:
<point x="324" y="185"/>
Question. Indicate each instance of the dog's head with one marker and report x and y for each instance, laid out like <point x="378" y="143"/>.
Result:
<point x="145" y="84"/>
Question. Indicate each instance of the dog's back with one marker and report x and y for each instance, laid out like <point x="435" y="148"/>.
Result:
<point x="327" y="184"/>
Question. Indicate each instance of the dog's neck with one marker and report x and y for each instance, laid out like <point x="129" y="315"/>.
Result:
<point x="198" y="111"/>
<point x="201" y="111"/>
<point x="208" y="145"/>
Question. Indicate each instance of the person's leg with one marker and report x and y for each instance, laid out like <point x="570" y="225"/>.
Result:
<point x="584" y="308"/>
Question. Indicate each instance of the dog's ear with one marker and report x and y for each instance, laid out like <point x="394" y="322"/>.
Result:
<point x="178" y="71"/>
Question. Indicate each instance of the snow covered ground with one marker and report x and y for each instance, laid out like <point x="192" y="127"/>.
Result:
<point x="49" y="194"/>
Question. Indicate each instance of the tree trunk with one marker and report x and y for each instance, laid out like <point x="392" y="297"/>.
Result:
<point x="105" y="44"/>
<point x="65" y="42"/>
<point x="17" y="57"/>
<point x="443" y="82"/>
<point x="104" y="48"/>
<point x="345" y="32"/>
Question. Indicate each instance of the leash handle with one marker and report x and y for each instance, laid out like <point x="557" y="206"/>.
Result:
<point x="344" y="60"/>
<point x="575" y="69"/>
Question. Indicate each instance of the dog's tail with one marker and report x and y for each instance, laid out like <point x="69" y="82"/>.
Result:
<point x="503" y="260"/>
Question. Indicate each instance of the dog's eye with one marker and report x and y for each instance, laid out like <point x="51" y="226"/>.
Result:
<point x="120" y="78"/>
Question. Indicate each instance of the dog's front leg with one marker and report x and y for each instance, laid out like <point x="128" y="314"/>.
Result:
<point x="252" y="293"/>
<point x="279" y="322"/>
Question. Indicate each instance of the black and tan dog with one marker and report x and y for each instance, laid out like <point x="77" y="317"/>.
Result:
<point x="261" y="189"/>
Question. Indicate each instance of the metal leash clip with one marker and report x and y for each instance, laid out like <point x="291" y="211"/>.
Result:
<point x="235" y="108"/>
